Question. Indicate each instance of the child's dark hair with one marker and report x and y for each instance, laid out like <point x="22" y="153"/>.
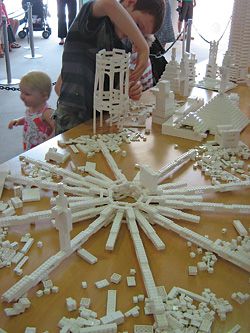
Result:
<point x="156" y="8"/>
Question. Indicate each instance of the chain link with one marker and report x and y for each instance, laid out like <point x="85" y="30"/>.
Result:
<point x="8" y="88"/>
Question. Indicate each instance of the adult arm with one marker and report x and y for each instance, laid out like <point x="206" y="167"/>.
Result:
<point x="58" y="85"/>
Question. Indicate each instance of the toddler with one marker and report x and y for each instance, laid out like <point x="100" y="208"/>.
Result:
<point x="38" y="125"/>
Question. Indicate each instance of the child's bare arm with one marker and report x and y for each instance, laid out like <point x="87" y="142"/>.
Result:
<point x="47" y="116"/>
<point x="16" y="122"/>
<point x="126" y="25"/>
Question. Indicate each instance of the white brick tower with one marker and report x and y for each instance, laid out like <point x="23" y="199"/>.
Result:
<point x="239" y="40"/>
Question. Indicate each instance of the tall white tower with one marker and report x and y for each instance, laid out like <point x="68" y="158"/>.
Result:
<point x="112" y="71"/>
<point x="239" y="40"/>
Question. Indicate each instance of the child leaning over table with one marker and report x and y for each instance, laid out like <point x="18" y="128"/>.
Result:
<point x="102" y="24"/>
<point x="38" y="125"/>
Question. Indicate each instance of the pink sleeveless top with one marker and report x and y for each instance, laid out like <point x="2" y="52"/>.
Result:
<point x="35" y="129"/>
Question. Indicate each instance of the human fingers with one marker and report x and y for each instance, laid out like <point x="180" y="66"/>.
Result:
<point x="135" y="90"/>
<point x="141" y="65"/>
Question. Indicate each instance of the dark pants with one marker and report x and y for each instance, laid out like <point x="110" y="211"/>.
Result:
<point x="61" y="14"/>
<point x="186" y="12"/>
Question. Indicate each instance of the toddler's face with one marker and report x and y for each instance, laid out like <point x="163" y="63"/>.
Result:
<point x="32" y="98"/>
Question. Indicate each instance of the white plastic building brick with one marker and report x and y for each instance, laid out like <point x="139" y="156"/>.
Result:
<point x="242" y="231"/>
<point x="17" y="202"/>
<point x="54" y="289"/>
<point x="74" y="149"/>
<point x="55" y="156"/>
<point x="113" y="317"/>
<point x="111" y="301"/>
<point x="90" y="258"/>
<point x="134" y="312"/>
<point x="107" y="328"/>
<point x="235" y="329"/>
<point x="71" y="304"/>
<point x="31" y="194"/>
<point x="240" y="298"/>
<point x="39" y="244"/>
<point x="149" y="178"/>
<point x="165" y="102"/>
<point x="227" y="137"/>
<point x="30" y="330"/>
<point x="27" y="246"/>
<point x="143" y="329"/>
<point x="3" y="175"/>
<point x="131" y="282"/>
<point x="102" y="283"/>
<point x="85" y="302"/>
<point x="18" y="268"/>
<point x="115" y="278"/>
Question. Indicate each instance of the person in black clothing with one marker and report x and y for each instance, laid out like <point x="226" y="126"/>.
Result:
<point x="61" y="14"/>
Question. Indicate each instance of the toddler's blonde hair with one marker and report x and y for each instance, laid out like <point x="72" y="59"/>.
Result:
<point x="37" y="81"/>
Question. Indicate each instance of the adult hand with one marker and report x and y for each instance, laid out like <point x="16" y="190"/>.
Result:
<point x="135" y="90"/>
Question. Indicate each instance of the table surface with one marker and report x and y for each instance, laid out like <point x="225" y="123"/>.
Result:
<point x="169" y="266"/>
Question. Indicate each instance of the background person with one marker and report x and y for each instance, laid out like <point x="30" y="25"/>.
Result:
<point x="185" y="12"/>
<point x="61" y="14"/>
<point x="166" y="33"/>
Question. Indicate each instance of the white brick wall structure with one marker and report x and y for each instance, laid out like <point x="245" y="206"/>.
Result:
<point x="239" y="40"/>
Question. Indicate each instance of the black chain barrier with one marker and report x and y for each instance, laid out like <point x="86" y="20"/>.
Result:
<point x="8" y="88"/>
<point x="179" y="35"/>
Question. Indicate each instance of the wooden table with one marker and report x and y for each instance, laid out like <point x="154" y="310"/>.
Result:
<point x="169" y="267"/>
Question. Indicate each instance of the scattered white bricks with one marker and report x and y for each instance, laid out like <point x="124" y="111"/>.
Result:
<point x="240" y="298"/>
<point x="192" y="270"/>
<point x="111" y="301"/>
<point x="242" y="231"/>
<point x="102" y="283"/>
<point x="235" y="329"/>
<point x="55" y="156"/>
<point x="115" y="278"/>
<point x="84" y="284"/>
<point x="18" y="307"/>
<point x="84" y="254"/>
<point x="71" y="304"/>
<point x="143" y="329"/>
<point x="131" y="282"/>
<point x="113" y="317"/>
<point x="30" y="330"/>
